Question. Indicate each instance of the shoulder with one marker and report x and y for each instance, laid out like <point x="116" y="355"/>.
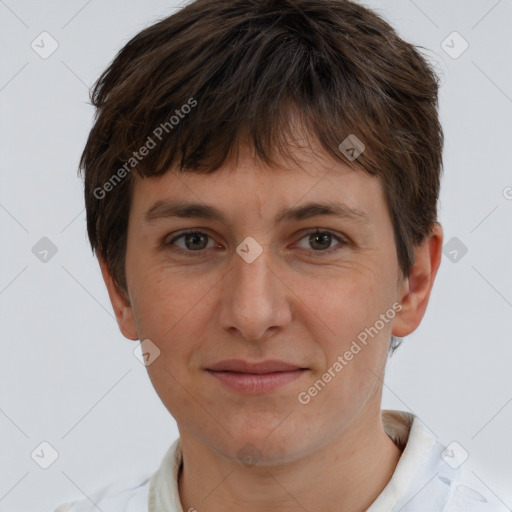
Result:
<point x="446" y="483"/>
<point x="432" y="477"/>
<point x="127" y="494"/>
<point x="470" y="494"/>
<point x="132" y="494"/>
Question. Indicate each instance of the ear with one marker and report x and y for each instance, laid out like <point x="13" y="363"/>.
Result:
<point x="416" y="289"/>
<point x="120" y="304"/>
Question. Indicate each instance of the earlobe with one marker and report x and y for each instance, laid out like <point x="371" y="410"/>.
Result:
<point x="416" y="290"/>
<point x="121" y="306"/>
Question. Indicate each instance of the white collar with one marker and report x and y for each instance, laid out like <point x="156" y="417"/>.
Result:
<point x="407" y="431"/>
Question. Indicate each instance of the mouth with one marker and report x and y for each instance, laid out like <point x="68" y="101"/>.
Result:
<point x="255" y="378"/>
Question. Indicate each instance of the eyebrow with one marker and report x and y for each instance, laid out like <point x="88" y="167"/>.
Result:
<point x="181" y="209"/>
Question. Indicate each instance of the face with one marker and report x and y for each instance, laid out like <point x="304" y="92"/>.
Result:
<point x="210" y="296"/>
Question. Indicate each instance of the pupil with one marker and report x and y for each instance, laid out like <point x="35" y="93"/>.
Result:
<point x="194" y="237"/>
<point x="322" y="237"/>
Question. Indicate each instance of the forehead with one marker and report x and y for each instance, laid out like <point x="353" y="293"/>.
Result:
<point x="244" y="189"/>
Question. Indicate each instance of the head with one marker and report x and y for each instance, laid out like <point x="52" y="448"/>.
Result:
<point x="253" y="111"/>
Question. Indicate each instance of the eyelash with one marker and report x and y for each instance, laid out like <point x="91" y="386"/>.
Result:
<point x="318" y="253"/>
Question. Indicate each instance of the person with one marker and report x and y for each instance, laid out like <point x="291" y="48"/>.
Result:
<point x="261" y="187"/>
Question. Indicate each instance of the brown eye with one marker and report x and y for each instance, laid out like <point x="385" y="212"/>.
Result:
<point x="321" y="242"/>
<point x="193" y="241"/>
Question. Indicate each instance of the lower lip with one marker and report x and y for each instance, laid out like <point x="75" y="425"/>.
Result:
<point x="256" y="383"/>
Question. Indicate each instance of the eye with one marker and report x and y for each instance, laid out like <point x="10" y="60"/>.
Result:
<point x="321" y="241"/>
<point x="193" y="241"/>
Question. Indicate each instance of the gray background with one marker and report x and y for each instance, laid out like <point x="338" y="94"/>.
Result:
<point x="68" y="377"/>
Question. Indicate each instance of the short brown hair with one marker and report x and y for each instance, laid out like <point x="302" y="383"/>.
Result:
<point x="242" y="67"/>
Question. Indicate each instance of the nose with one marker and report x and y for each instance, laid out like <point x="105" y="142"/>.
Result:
<point x="255" y="301"/>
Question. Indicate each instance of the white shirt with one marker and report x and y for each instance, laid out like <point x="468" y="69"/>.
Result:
<point x="427" y="478"/>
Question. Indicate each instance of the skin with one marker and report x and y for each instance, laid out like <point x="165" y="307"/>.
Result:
<point x="331" y="454"/>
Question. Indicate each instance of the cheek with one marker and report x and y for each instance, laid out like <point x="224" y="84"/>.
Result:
<point x="343" y="324"/>
<point x="343" y="307"/>
<point x="166" y="299"/>
<point x="173" y="309"/>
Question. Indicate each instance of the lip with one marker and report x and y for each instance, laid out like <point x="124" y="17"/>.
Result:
<point x="241" y="366"/>
<point x="255" y="378"/>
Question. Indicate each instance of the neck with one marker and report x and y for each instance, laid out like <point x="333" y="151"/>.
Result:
<point x="345" y="475"/>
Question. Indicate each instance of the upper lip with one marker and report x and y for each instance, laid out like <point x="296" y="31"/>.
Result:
<point x="241" y="366"/>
